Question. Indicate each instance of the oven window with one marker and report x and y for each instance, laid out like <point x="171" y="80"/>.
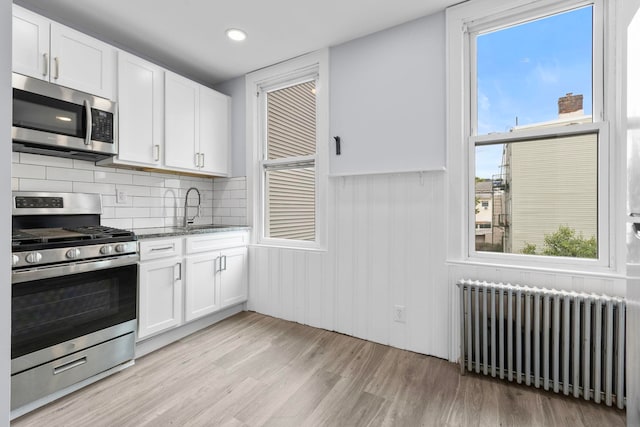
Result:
<point x="51" y="311"/>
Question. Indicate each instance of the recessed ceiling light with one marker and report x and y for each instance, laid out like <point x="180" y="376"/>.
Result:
<point x="236" y="34"/>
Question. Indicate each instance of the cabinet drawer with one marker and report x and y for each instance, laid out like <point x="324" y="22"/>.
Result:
<point x="216" y="241"/>
<point x="154" y="249"/>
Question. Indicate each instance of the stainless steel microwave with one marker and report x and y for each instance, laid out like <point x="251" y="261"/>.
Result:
<point x="58" y="121"/>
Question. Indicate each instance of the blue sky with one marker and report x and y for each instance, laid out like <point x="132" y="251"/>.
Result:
<point x="523" y="70"/>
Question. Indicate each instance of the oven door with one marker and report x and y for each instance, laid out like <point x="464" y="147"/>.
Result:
<point x="53" y="309"/>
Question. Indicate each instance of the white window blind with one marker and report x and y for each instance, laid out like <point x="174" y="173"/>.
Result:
<point x="289" y="163"/>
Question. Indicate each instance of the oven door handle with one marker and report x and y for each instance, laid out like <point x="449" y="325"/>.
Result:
<point x="37" y="273"/>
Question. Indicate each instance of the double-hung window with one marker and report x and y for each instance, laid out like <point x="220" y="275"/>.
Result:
<point x="535" y="138"/>
<point x="288" y="117"/>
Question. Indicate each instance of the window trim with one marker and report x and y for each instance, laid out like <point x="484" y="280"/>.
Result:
<point x="483" y="15"/>
<point x="312" y="66"/>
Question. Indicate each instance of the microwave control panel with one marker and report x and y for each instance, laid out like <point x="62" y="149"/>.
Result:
<point x="101" y="126"/>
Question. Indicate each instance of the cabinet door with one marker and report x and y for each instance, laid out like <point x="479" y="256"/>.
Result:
<point x="181" y="122"/>
<point x="141" y="110"/>
<point x="214" y="132"/>
<point x="81" y="62"/>
<point x="201" y="291"/>
<point x="233" y="277"/>
<point x="30" y="44"/>
<point x="159" y="296"/>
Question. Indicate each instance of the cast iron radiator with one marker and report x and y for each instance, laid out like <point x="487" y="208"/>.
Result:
<point x="568" y="342"/>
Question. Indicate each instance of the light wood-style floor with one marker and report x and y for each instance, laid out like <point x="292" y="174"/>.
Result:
<point x="254" y="370"/>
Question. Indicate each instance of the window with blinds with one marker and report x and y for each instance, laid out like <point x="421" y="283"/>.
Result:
<point x="290" y="163"/>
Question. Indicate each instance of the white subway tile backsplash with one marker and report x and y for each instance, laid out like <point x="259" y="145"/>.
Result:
<point x="28" y="171"/>
<point x="112" y="177"/>
<point x="133" y="190"/>
<point x="148" y="222"/>
<point x="86" y="187"/>
<point x="45" y="185"/>
<point x="65" y="174"/>
<point x="108" y="211"/>
<point x="15" y="157"/>
<point x="37" y="159"/>
<point x="153" y="199"/>
<point x="132" y="213"/>
<point x="150" y="181"/>
<point x="238" y="194"/>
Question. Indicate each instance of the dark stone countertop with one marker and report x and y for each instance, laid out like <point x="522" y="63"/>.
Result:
<point x="177" y="231"/>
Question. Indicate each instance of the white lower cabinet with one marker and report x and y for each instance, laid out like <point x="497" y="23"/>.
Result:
<point x="216" y="276"/>
<point x="233" y="277"/>
<point x="201" y="291"/>
<point x="178" y="286"/>
<point x="160" y="295"/>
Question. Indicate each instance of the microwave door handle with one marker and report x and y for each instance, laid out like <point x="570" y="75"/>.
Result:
<point x="87" y="109"/>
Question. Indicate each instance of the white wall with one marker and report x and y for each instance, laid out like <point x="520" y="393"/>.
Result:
<point x="387" y="241"/>
<point x="5" y="210"/>
<point x="390" y="237"/>
<point x="236" y="89"/>
<point x="387" y="100"/>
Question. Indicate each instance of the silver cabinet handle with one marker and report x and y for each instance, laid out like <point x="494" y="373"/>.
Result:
<point x="179" y="265"/>
<point x="196" y="159"/>
<point x="224" y="257"/>
<point x="156" y="153"/>
<point x="56" y="62"/>
<point x="45" y="63"/>
<point x="87" y="109"/>
<point x="164" y="248"/>
<point x="202" y="165"/>
<point x="217" y="264"/>
<point x="70" y="365"/>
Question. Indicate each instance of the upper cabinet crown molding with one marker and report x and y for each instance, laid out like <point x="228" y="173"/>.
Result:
<point x="49" y="51"/>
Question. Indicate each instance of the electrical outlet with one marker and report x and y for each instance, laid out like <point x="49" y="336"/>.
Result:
<point x="121" y="196"/>
<point x="399" y="314"/>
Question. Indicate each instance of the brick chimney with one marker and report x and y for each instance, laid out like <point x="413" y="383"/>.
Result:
<point x="570" y="105"/>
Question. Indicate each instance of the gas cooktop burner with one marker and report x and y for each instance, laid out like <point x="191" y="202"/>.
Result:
<point x="42" y="238"/>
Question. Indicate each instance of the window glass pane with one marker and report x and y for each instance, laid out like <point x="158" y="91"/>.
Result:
<point x="541" y="197"/>
<point x="290" y="200"/>
<point x="291" y="121"/>
<point x="535" y="72"/>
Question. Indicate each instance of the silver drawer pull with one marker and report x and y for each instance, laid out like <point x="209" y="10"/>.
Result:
<point x="73" y="364"/>
<point x="164" y="248"/>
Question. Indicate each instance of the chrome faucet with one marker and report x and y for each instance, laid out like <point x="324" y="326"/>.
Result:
<point x="186" y="220"/>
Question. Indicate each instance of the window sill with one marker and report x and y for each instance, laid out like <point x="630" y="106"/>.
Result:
<point x="591" y="271"/>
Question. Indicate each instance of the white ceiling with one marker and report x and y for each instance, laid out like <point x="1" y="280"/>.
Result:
<point x="188" y="36"/>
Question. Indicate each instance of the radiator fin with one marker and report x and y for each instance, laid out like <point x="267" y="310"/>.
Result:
<point x="568" y="342"/>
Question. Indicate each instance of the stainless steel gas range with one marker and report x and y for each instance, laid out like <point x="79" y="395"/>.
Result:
<point x="74" y="293"/>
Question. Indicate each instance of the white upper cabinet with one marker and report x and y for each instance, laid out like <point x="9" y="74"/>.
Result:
<point x="30" y="44"/>
<point x="49" y="51"/>
<point x="181" y="122"/>
<point x="214" y="132"/>
<point x="196" y="127"/>
<point x="141" y="111"/>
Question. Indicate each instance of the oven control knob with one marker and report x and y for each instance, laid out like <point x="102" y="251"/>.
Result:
<point x="73" y="253"/>
<point x="15" y="259"/>
<point x="106" y="250"/>
<point x="33" y="257"/>
<point x="121" y="247"/>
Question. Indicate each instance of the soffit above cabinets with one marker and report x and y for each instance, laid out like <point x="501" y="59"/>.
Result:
<point x="189" y="36"/>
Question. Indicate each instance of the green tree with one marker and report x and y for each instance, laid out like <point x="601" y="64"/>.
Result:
<point x="565" y="242"/>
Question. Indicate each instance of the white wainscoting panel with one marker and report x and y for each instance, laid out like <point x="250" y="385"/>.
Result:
<point x="387" y="247"/>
